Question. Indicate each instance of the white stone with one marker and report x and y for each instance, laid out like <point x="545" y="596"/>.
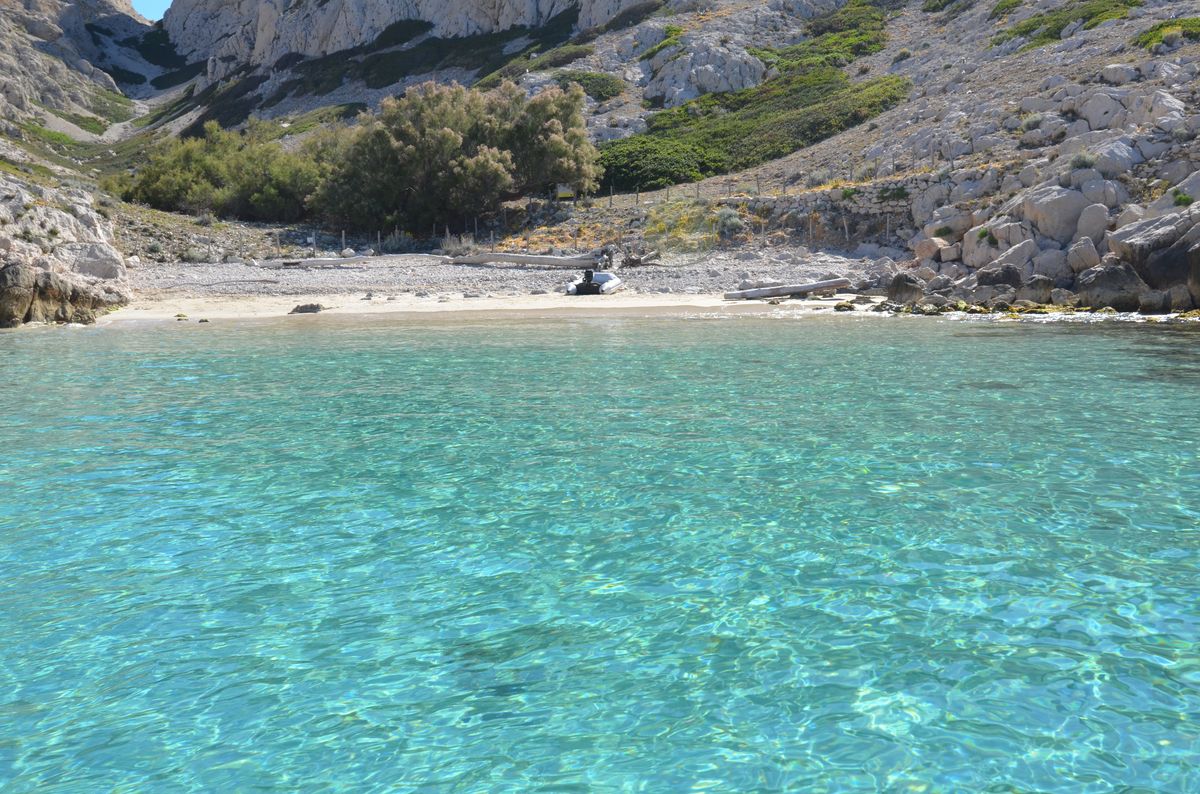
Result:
<point x="1054" y="211"/>
<point x="1093" y="223"/>
<point x="1083" y="255"/>
<point x="1119" y="73"/>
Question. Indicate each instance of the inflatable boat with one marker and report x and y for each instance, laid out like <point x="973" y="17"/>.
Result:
<point x="593" y="283"/>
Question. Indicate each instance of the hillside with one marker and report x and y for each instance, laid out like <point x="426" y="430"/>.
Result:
<point x="938" y="138"/>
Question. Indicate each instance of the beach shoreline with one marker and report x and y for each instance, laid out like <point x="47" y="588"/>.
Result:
<point x="175" y="308"/>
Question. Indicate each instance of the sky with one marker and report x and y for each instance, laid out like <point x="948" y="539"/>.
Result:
<point x="151" y="9"/>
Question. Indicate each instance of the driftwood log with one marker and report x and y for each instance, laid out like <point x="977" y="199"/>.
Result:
<point x="784" y="291"/>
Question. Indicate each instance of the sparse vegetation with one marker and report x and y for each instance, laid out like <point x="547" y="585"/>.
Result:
<point x="672" y="34"/>
<point x="902" y="55"/>
<point x="1170" y="32"/>
<point x="811" y="99"/>
<point x="1032" y="122"/>
<point x="1004" y="8"/>
<point x="1182" y="199"/>
<point x="1047" y="26"/>
<point x="1083" y="160"/>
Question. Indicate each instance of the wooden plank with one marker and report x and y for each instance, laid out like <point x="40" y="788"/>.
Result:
<point x="572" y="263"/>
<point x="784" y="291"/>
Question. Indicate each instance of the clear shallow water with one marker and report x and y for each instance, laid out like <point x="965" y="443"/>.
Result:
<point x="739" y="555"/>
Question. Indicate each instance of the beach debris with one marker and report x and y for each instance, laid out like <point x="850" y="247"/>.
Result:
<point x="789" y="289"/>
<point x="308" y="308"/>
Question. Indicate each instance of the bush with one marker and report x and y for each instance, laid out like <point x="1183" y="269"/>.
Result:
<point x="443" y="152"/>
<point x="1182" y="199"/>
<point x="903" y="55"/>
<point x="1083" y="160"/>
<point x="646" y="163"/>
<point x="229" y="174"/>
<point x="1032" y="122"/>
<point x="600" y="87"/>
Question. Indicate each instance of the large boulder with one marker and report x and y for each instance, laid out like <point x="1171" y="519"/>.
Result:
<point x="1093" y="223"/>
<point x="906" y="288"/>
<point x="1054" y="211"/>
<point x="1100" y="111"/>
<point x="1119" y="73"/>
<point x="1000" y="275"/>
<point x="1037" y="289"/>
<point x="1171" y="267"/>
<point x="1137" y="241"/>
<point x="1116" y="158"/>
<point x="1112" y="284"/>
<point x="1083" y="255"/>
<point x="18" y="285"/>
<point x="1053" y="265"/>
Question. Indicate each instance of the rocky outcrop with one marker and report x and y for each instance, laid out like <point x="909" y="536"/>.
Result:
<point x="230" y="35"/>
<point x="57" y="259"/>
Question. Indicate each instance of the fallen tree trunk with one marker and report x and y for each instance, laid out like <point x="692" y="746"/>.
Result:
<point x="783" y="291"/>
<point x="566" y="262"/>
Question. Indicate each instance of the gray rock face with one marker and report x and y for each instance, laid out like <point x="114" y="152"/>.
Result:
<point x="59" y="265"/>
<point x="1137" y="241"/>
<point x="1115" y="285"/>
<point x="905" y="288"/>
<point x="1055" y="211"/>
<point x="1001" y="275"/>
<point x="234" y="33"/>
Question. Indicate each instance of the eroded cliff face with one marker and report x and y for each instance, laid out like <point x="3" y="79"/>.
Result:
<point x="232" y="34"/>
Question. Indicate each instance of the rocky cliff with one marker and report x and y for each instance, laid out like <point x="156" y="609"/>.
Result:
<point x="58" y="262"/>
<point x="255" y="32"/>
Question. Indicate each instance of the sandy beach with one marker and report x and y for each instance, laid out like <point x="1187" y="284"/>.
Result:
<point x="243" y="307"/>
<point x="429" y="285"/>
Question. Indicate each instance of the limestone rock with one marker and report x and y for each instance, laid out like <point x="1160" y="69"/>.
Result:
<point x="905" y="288"/>
<point x="1083" y="255"/>
<point x="1115" y="285"/>
<point x="1054" y="211"/>
<point x="1134" y="243"/>
<point x="1093" y="223"/>
<point x="1119" y="73"/>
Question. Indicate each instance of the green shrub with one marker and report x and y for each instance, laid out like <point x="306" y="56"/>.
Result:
<point x="903" y="55"/>
<point x="1032" y="122"/>
<point x="1004" y="7"/>
<point x="231" y="174"/>
<point x="1182" y="199"/>
<point x="672" y="34"/>
<point x="1083" y="160"/>
<point x="599" y="86"/>
<point x="895" y="193"/>
<point x="1186" y="28"/>
<point x="647" y="163"/>
<point x="1047" y="26"/>
<point x="448" y="152"/>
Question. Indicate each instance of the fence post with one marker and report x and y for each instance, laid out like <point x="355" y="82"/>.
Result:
<point x="314" y="242"/>
<point x="611" y="190"/>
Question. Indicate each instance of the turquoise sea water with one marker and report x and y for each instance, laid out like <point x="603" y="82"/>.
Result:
<point x="820" y="555"/>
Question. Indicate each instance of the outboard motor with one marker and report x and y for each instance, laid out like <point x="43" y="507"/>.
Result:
<point x="588" y="286"/>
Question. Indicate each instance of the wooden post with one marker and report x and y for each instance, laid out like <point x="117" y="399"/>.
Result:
<point x="314" y="242"/>
<point x="343" y="240"/>
<point x="611" y="191"/>
<point x="493" y="241"/>
<point x="637" y="197"/>
<point x="476" y="227"/>
<point x="697" y="191"/>
<point x="757" y="185"/>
